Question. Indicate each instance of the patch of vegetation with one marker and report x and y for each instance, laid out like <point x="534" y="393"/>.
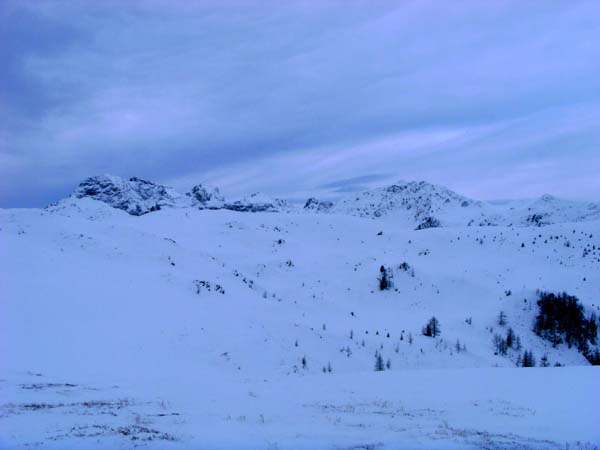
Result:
<point x="432" y="328"/>
<point x="561" y="319"/>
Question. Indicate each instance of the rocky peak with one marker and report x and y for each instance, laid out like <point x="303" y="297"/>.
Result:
<point x="256" y="202"/>
<point x="204" y="196"/>
<point x="134" y="196"/>
<point x="313" y="204"/>
<point x="418" y="199"/>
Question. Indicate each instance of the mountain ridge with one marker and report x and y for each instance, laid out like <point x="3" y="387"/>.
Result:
<point x="415" y="204"/>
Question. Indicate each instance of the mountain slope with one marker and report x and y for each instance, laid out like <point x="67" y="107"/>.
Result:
<point x="211" y="317"/>
<point x="423" y="205"/>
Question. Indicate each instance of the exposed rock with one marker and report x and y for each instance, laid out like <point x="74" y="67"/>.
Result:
<point x="206" y="197"/>
<point x="135" y="196"/>
<point x="312" y="204"/>
<point x="429" y="222"/>
<point x="256" y="202"/>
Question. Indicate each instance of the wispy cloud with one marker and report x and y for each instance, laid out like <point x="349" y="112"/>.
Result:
<point x="468" y="94"/>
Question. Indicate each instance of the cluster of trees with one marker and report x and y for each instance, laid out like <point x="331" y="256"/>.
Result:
<point x="460" y="347"/>
<point x="386" y="275"/>
<point x="510" y="341"/>
<point x="380" y="366"/>
<point x="526" y="360"/>
<point x="561" y="319"/>
<point x="593" y="357"/>
<point x="432" y="328"/>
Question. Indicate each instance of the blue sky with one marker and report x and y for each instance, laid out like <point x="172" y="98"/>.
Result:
<point x="493" y="99"/>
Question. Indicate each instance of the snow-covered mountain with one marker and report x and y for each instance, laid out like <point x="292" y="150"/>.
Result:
<point x="204" y="196"/>
<point x="545" y="210"/>
<point x="134" y="196"/>
<point x="257" y="202"/>
<point x="137" y="197"/>
<point x="419" y="205"/>
<point x="425" y="205"/>
<point x="201" y="325"/>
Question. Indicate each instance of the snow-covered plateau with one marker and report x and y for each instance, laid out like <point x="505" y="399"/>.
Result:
<point x="132" y="315"/>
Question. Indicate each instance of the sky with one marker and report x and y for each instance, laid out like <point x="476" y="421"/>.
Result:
<point x="494" y="99"/>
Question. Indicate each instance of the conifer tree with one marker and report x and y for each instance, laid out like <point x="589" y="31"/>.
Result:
<point x="502" y="319"/>
<point x="384" y="282"/>
<point x="510" y="338"/>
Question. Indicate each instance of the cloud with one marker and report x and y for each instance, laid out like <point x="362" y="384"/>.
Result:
<point x="548" y="152"/>
<point x="354" y="184"/>
<point x="182" y="91"/>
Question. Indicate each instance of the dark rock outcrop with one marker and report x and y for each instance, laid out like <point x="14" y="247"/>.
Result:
<point x="134" y="196"/>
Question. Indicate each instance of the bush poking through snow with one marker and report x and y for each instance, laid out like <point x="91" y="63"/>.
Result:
<point x="202" y="285"/>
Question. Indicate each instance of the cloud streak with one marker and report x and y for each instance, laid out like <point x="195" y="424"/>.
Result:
<point x="183" y="92"/>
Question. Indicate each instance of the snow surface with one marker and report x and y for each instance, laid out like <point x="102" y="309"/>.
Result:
<point x="186" y="328"/>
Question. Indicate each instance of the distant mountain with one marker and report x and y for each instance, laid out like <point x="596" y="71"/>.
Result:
<point x="420" y="204"/>
<point x="546" y="210"/>
<point x="257" y="202"/>
<point x="414" y="204"/>
<point x="134" y="195"/>
<point x="206" y="197"/>
<point x="312" y="204"/>
<point x="423" y="205"/>
<point x="138" y="197"/>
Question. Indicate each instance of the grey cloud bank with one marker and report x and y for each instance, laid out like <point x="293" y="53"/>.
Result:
<point x="492" y="99"/>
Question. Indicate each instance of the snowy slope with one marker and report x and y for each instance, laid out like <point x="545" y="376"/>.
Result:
<point x="188" y="327"/>
<point x="545" y="210"/>
<point x="416" y="200"/>
<point x="425" y="205"/>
